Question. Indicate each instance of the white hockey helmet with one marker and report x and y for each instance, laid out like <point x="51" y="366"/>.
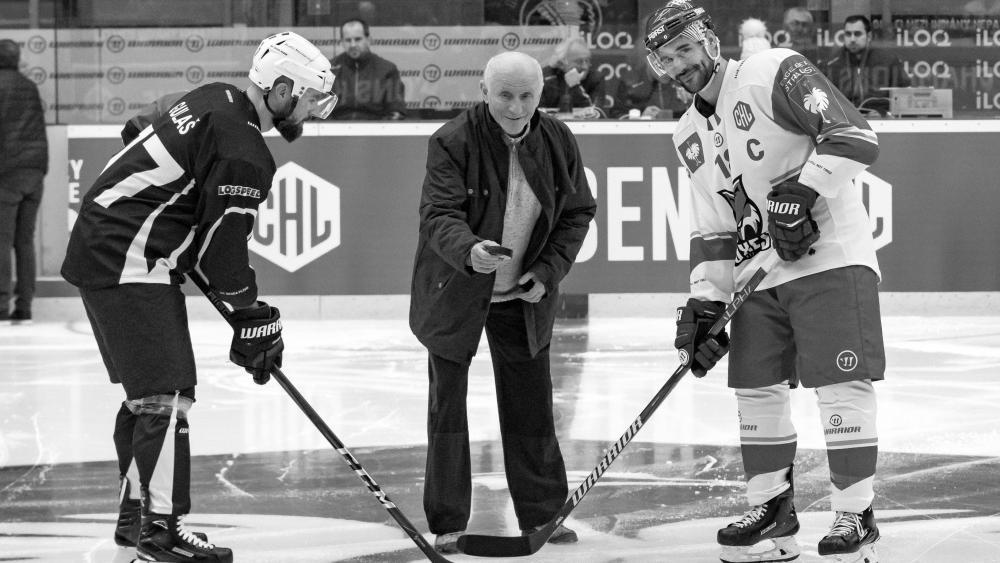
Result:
<point x="291" y="55"/>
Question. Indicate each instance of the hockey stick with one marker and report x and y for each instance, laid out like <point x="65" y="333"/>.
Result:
<point x="518" y="546"/>
<point x="320" y="425"/>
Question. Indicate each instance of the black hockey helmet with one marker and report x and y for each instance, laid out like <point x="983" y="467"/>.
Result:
<point x="673" y="19"/>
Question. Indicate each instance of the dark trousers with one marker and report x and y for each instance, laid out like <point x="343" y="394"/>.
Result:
<point x="536" y="474"/>
<point x="20" y="197"/>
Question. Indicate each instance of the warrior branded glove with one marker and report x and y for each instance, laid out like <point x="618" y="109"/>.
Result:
<point x="257" y="343"/>
<point x="789" y="219"/>
<point x="694" y="346"/>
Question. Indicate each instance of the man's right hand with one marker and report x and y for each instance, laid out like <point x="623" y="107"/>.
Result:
<point x="573" y="77"/>
<point x="695" y="347"/>
<point x="257" y="344"/>
<point x="482" y="261"/>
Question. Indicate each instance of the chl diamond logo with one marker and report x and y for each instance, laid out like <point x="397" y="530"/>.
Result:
<point x="299" y="221"/>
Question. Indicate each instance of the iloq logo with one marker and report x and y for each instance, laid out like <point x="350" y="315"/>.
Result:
<point x="300" y="220"/>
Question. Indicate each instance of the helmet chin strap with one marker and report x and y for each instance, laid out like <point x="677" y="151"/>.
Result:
<point x="716" y="59"/>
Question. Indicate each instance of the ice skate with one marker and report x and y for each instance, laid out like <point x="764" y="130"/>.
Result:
<point x="764" y="534"/>
<point x="164" y="539"/>
<point x="130" y="519"/>
<point x="851" y="538"/>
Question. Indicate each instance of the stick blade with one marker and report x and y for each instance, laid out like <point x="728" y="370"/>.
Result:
<point x="495" y="546"/>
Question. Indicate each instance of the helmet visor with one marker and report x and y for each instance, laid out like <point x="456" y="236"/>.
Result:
<point x="321" y="103"/>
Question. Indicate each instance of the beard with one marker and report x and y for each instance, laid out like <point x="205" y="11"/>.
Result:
<point x="289" y="130"/>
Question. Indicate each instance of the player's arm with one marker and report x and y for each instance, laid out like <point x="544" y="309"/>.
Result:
<point x="712" y="260"/>
<point x="227" y="207"/>
<point x="804" y="101"/>
<point x="147" y="115"/>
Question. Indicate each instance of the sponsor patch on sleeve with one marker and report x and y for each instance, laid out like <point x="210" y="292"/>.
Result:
<point x="242" y="191"/>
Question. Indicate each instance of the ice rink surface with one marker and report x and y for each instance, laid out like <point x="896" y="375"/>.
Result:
<point x="266" y="483"/>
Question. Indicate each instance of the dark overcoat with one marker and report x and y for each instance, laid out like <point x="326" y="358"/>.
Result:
<point x="463" y="202"/>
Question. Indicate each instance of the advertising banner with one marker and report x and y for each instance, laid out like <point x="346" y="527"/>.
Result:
<point x="341" y="221"/>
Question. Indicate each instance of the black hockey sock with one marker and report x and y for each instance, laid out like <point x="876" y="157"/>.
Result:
<point x="162" y="453"/>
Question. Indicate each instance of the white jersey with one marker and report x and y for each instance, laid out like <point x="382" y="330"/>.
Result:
<point x="777" y="118"/>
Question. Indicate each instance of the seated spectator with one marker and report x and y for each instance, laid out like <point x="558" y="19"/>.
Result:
<point x="753" y="37"/>
<point x="569" y="83"/>
<point x="368" y="86"/>
<point x="861" y="71"/>
<point x="641" y="95"/>
<point x="798" y="23"/>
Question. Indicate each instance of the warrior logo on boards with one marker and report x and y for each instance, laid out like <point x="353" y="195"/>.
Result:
<point x="751" y="235"/>
<point x="300" y="220"/>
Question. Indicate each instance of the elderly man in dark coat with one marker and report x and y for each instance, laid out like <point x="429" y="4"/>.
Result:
<point x="504" y="210"/>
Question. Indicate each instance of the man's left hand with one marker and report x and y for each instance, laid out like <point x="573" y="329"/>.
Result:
<point x="532" y="288"/>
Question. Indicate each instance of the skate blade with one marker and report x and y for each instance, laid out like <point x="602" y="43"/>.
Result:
<point x="866" y="554"/>
<point x="766" y="551"/>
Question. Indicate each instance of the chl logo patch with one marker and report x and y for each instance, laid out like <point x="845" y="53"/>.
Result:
<point x="847" y="360"/>
<point x="743" y="116"/>
<point x="300" y="219"/>
<point x="692" y="152"/>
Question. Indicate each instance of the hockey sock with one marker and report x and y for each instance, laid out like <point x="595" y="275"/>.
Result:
<point x="162" y="451"/>
<point x="767" y="440"/>
<point x="124" y="430"/>
<point x="848" y="410"/>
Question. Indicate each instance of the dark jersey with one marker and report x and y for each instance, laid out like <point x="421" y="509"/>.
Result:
<point x="183" y="194"/>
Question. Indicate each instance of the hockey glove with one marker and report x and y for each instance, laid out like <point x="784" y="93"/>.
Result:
<point x="789" y="219"/>
<point x="257" y="343"/>
<point x="694" y="346"/>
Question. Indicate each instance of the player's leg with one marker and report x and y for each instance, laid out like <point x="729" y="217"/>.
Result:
<point x="9" y="200"/>
<point x="536" y="473"/>
<point x="142" y="333"/>
<point x="448" y="474"/>
<point x="760" y="367"/>
<point x="130" y="491"/>
<point x="838" y="333"/>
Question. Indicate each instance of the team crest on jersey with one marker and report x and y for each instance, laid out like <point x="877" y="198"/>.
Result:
<point x="751" y="236"/>
<point x="743" y="116"/>
<point x="694" y="155"/>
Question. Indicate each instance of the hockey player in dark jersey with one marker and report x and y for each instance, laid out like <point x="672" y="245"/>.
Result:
<point x="180" y="199"/>
<point x="772" y="149"/>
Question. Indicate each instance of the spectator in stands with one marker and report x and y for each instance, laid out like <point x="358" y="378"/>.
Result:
<point x="798" y="22"/>
<point x="368" y="86"/>
<point x="861" y="71"/>
<point x="24" y="160"/>
<point x="650" y="97"/>
<point x="753" y="37"/>
<point x="569" y="82"/>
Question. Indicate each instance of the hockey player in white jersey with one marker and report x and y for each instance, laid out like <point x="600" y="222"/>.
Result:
<point x="772" y="148"/>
